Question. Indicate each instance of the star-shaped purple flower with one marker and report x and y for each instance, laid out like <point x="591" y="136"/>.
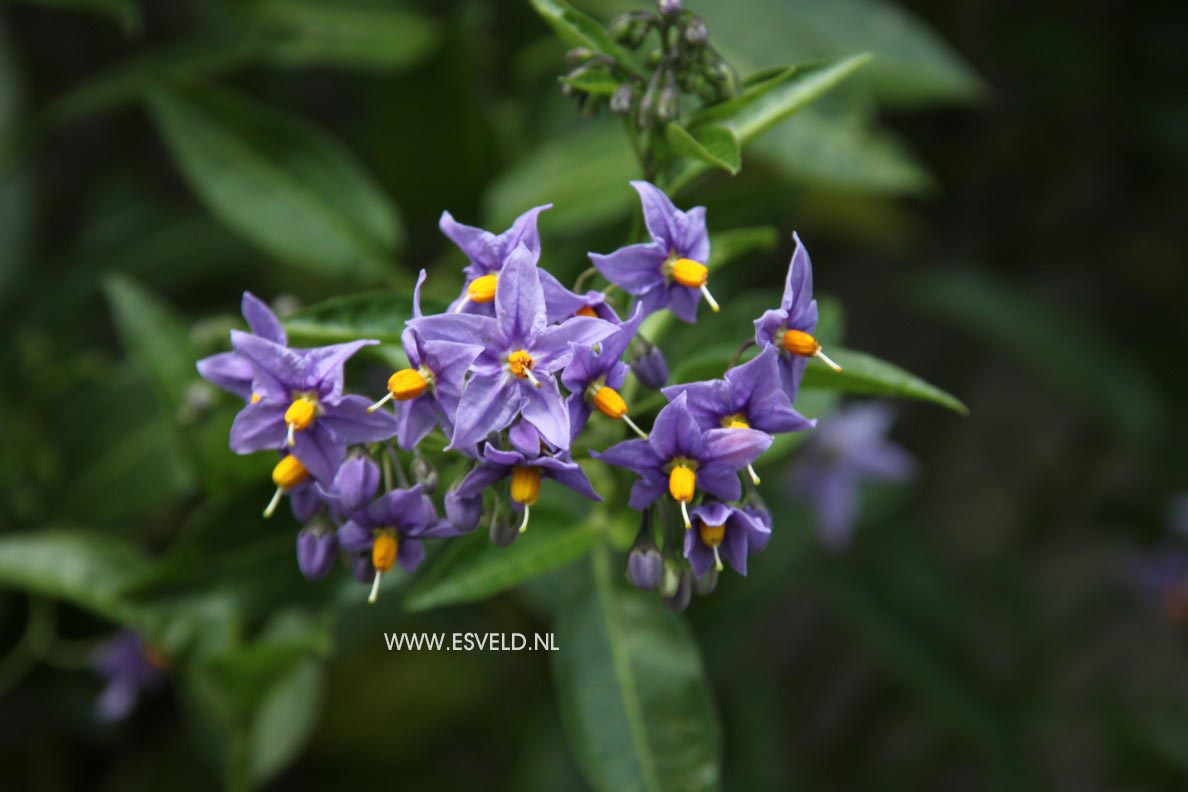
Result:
<point x="847" y="450"/>
<point x="526" y="466"/>
<point x="748" y="396"/>
<point x="596" y="374"/>
<point x="232" y="371"/>
<point x="789" y="328"/>
<point x="563" y="303"/>
<point x="391" y="529"/>
<point x="683" y="457"/>
<point x="722" y="530"/>
<point x="302" y="405"/>
<point x="516" y="372"/>
<point x="668" y="272"/>
<point x="130" y="667"/>
<point x="488" y="252"/>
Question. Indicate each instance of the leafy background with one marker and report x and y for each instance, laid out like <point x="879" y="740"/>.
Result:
<point x="1005" y="222"/>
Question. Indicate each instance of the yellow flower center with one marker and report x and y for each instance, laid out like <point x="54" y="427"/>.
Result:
<point x="383" y="551"/>
<point x="289" y="472"/>
<point x="609" y="402"/>
<point x="482" y="290"/>
<point x="712" y="535"/>
<point x="301" y="413"/>
<point x="736" y="421"/>
<point x="798" y="342"/>
<point x="586" y="310"/>
<point x="407" y="384"/>
<point x="688" y="272"/>
<point x="525" y="485"/>
<point x="682" y="483"/>
<point x="521" y="363"/>
<point x="256" y="397"/>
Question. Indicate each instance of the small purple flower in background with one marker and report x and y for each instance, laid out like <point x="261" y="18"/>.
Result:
<point x="302" y="406"/>
<point x="130" y="667"/>
<point x="846" y="451"/>
<point x="724" y="530"/>
<point x="789" y="328"/>
<point x="526" y="466"/>
<point x="649" y="365"/>
<point x="515" y="374"/>
<point x="428" y="391"/>
<point x="1162" y="577"/>
<point x="596" y="374"/>
<point x="748" y="397"/>
<point x="232" y="371"/>
<point x="488" y="253"/>
<point x="668" y="272"/>
<point x="390" y="529"/>
<point x="681" y="456"/>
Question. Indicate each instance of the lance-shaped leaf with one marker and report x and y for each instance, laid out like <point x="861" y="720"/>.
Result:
<point x="578" y="30"/>
<point x="281" y="182"/>
<point x="716" y="146"/>
<point x="380" y="315"/>
<point x="635" y="701"/>
<point x="866" y="374"/>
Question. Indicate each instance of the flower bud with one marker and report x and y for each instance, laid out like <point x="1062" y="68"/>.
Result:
<point x="684" y="592"/>
<point x="316" y="552"/>
<point x="650" y="367"/>
<point x="463" y="512"/>
<point x="706" y="583"/>
<point x="668" y="107"/>
<point x="670" y="8"/>
<point x="502" y="530"/>
<point x="645" y="114"/>
<point x="622" y="99"/>
<point x="645" y="567"/>
<point x="696" y="32"/>
<point x="424" y="474"/>
<point x="579" y="55"/>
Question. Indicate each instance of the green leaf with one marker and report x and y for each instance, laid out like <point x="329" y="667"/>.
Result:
<point x="865" y="374"/>
<point x="733" y="243"/>
<point x="714" y="145"/>
<point x="346" y="33"/>
<point x="380" y="315"/>
<point x="124" y="13"/>
<point x="281" y="182"/>
<point x="83" y="567"/>
<point x="912" y="66"/>
<point x="286" y="719"/>
<point x="764" y="104"/>
<point x="471" y="568"/>
<point x="578" y="30"/>
<point x="154" y="336"/>
<point x="634" y="697"/>
<point x="599" y="83"/>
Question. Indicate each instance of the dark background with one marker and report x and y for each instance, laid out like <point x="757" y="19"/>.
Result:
<point x="985" y="630"/>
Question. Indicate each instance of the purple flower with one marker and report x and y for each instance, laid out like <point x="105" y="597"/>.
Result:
<point x="681" y="456"/>
<point x="1162" y="577"/>
<point x="596" y="374"/>
<point x="515" y="374"/>
<point x="526" y="466"/>
<point x="317" y="551"/>
<point x="291" y="478"/>
<point x="650" y="367"/>
<point x="724" y="530"/>
<point x="427" y="393"/>
<point x="645" y="567"/>
<point x="563" y="303"/>
<point x="488" y="253"/>
<point x="302" y="406"/>
<point x="748" y="397"/>
<point x="391" y="528"/>
<point x="849" y="449"/>
<point x="232" y="371"/>
<point x="354" y="485"/>
<point x="130" y="666"/>
<point x="789" y="328"/>
<point x="668" y="272"/>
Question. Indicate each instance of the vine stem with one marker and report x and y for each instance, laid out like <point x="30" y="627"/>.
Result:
<point x="738" y="355"/>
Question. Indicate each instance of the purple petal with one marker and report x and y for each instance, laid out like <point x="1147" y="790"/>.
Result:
<point x="646" y="490"/>
<point x="768" y="326"/>
<point x="259" y="427"/>
<point x="479" y="245"/>
<point x="458" y="327"/>
<point x="409" y="553"/>
<point x="325" y="365"/>
<point x="262" y="320"/>
<point x="575" y="479"/>
<point x="350" y="423"/>
<point x="700" y="556"/>
<point x="281" y="369"/>
<point x="480" y="478"/>
<point x="519" y="299"/>
<point x="637" y="455"/>
<point x="720" y="482"/>
<point x="560" y="302"/>
<point x="117" y="700"/>
<point x="318" y="451"/>
<point x="356" y="482"/>
<point x="354" y="538"/>
<point x="683" y="302"/>
<point x="489" y="403"/>
<point x="659" y="214"/>
<point x="552" y="351"/>
<point x="635" y="268"/>
<point x="707" y="401"/>
<point x="415" y="419"/>
<point x="733" y="448"/>
<point x="545" y="409"/>
<point x="675" y="431"/>
<point x="230" y="371"/>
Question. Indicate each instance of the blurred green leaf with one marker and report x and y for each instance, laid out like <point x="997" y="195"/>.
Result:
<point x="286" y="719"/>
<point x="1061" y="349"/>
<point x="634" y="697"/>
<point x="471" y="568"/>
<point x="596" y="82"/>
<point x="278" y="180"/>
<point x="716" y="146"/>
<point x="86" y="568"/>
<point x="124" y="13"/>
<point x="734" y="243"/>
<point x="155" y="338"/>
<point x="343" y="33"/>
<point x="380" y="315"/>
<point x="912" y="65"/>
<point x="578" y="30"/>
<point x="765" y="103"/>
<point x="865" y="374"/>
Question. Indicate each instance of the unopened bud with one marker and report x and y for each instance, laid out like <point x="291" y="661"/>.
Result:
<point x="316" y="552"/>
<point x="696" y="32"/>
<point x="502" y="530"/>
<point x="670" y="8"/>
<point x="706" y="583"/>
<point x="650" y="367"/>
<point x="622" y="99"/>
<point x="645" y="567"/>
<point x="668" y="107"/>
<point x="463" y="512"/>
<point x="684" y="592"/>
<point x="424" y="474"/>
<point x="579" y="55"/>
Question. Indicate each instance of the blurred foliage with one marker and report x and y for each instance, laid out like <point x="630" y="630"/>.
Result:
<point x="158" y="158"/>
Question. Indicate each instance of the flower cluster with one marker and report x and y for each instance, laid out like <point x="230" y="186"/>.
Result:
<point x="512" y="373"/>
